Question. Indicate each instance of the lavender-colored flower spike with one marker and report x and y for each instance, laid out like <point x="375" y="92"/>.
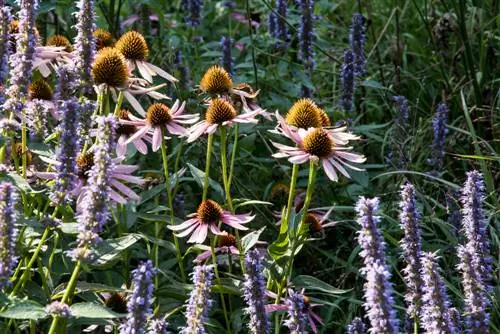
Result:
<point x="183" y="68"/>
<point x="199" y="301"/>
<point x="85" y="48"/>
<point x="357" y="35"/>
<point x="476" y="300"/>
<point x="57" y="308"/>
<point x="396" y="156"/>
<point x="453" y="211"/>
<point x="5" y="18"/>
<point x="412" y="249"/>
<point x="21" y="62"/>
<point x="474" y="224"/>
<point x="226" y="44"/>
<point x="297" y="317"/>
<point x="435" y="313"/>
<point x="403" y="109"/>
<point x="277" y="23"/>
<point x="456" y="319"/>
<point x="440" y="132"/>
<point x="192" y="9"/>
<point x="254" y="293"/>
<point x="306" y="34"/>
<point x="67" y="152"/>
<point x="94" y="200"/>
<point x="158" y="326"/>
<point x="65" y="83"/>
<point x="356" y="326"/>
<point x="378" y="289"/>
<point x="347" y="81"/>
<point x="36" y="116"/>
<point x="139" y="302"/>
<point x="8" y="232"/>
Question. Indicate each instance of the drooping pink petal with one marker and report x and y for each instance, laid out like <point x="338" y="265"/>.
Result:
<point x="187" y="231"/>
<point x="184" y="225"/>
<point x="116" y="197"/>
<point x="128" y="178"/>
<point x="211" y="128"/>
<point x="199" y="235"/>
<point x="300" y="159"/>
<point x="197" y="130"/>
<point x="329" y="170"/>
<point x="125" y="190"/>
<point x="353" y="157"/>
<point x="157" y="138"/>
<point x="139" y="133"/>
<point x="175" y="129"/>
<point x="125" y="169"/>
<point x="141" y="146"/>
<point x="339" y="167"/>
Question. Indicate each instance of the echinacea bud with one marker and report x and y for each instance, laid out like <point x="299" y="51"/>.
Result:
<point x="357" y="35"/>
<point x="133" y="46"/>
<point x="254" y="293"/>
<point x="356" y="326"/>
<point x="219" y="111"/>
<point x="378" y="289"/>
<point x="435" y="313"/>
<point x="297" y="317"/>
<point x="8" y="232"/>
<point x="216" y="80"/>
<point x="347" y="82"/>
<point x="199" y="301"/>
<point x="140" y="301"/>
<point x="85" y="45"/>
<point x="440" y="131"/>
<point x="412" y="248"/>
<point x="56" y="308"/>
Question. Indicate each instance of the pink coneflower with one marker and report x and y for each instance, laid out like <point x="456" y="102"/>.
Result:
<point x="220" y="113"/>
<point x="159" y="116"/>
<point x="119" y="192"/>
<point x="319" y="144"/>
<point x="124" y="131"/>
<point x="207" y="217"/>
<point x="226" y="244"/>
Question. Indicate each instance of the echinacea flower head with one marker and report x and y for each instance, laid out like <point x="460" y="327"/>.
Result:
<point x="199" y="302"/>
<point x="110" y="68"/>
<point x="220" y="112"/>
<point x="139" y="302"/>
<point x="226" y="245"/>
<point x="216" y="80"/>
<point x="304" y="114"/>
<point x="124" y="132"/>
<point x="159" y="118"/>
<point x="103" y="39"/>
<point x="319" y="144"/>
<point x="435" y="314"/>
<point x="8" y="231"/>
<point x="60" y="41"/>
<point x="40" y="90"/>
<point x="207" y="217"/>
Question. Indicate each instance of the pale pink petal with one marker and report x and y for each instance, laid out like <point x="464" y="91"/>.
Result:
<point x="144" y="71"/>
<point x="187" y="231"/>
<point x="197" y="130"/>
<point x="353" y="157"/>
<point x="116" y="197"/>
<point x="205" y="255"/>
<point x="199" y="235"/>
<point x="125" y="169"/>
<point x="128" y="178"/>
<point x="211" y="128"/>
<point x="175" y="129"/>
<point x="125" y="190"/>
<point x="233" y="223"/>
<point x="162" y="73"/>
<point x="139" y="133"/>
<point x="299" y="159"/>
<point x="329" y="170"/>
<point x="215" y="229"/>
<point x="347" y="164"/>
<point x="184" y="225"/>
<point x="157" y="138"/>
<point x="340" y="168"/>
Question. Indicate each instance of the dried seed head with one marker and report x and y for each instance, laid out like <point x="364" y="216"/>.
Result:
<point x="304" y="114"/>
<point x="41" y="90"/>
<point x="125" y="129"/>
<point x="216" y="80"/>
<point x="110" y="68"/>
<point x="226" y="240"/>
<point x="61" y="41"/>
<point x="314" y="222"/>
<point x="209" y="212"/>
<point x="158" y="114"/>
<point x="319" y="143"/>
<point x="220" y="111"/>
<point x="103" y="39"/>
<point x="84" y="162"/>
<point x="133" y="46"/>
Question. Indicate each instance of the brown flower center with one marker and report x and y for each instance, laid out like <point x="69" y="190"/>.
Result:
<point x="110" y="68"/>
<point x="125" y="129"/>
<point x="318" y="143"/>
<point x="133" y="46"/>
<point x="84" y="162"/>
<point x="103" y="39"/>
<point x="17" y="152"/>
<point x="325" y="120"/>
<point x="226" y="240"/>
<point x="216" y="80"/>
<point x="304" y="114"/>
<point x="40" y="89"/>
<point x="60" y="40"/>
<point x="220" y="111"/>
<point x="313" y="222"/>
<point x="158" y="114"/>
<point x="209" y="212"/>
<point x="117" y="302"/>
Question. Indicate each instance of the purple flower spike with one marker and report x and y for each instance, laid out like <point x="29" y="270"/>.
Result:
<point x="8" y="232"/>
<point x="356" y="326"/>
<point x="435" y="313"/>
<point x="158" y="326"/>
<point x="456" y="319"/>
<point x="85" y="48"/>
<point x="403" y="109"/>
<point x="94" y="200"/>
<point x="378" y="289"/>
<point x="254" y="293"/>
<point x="5" y="18"/>
<point x="297" y="315"/>
<point x="57" y="308"/>
<point x="440" y="132"/>
<point x="139" y="302"/>
<point x="192" y="9"/>
<point x="357" y="35"/>
<point x="227" y="60"/>
<point x="474" y="224"/>
<point x="412" y="249"/>
<point x="37" y="112"/>
<point x="21" y="62"/>
<point x="306" y="34"/>
<point x="347" y="81"/>
<point x="199" y="301"/>
<point x="476" y="300"/>
<point x="277" y="23"/>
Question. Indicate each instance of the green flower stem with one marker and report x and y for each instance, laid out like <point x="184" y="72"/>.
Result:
<point x="172" y="222"/>
<point x="207" y="165"/>
<point x="291" y="195"/>
<point x="233" y="154"/>
<point x="24" y="147"/>
<point x="119" y="103"/>
<point x="34" y="257"/>
<point x="217" y="277"/>
<point x="67" y="295"/>
<point x="97" y="111"/>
